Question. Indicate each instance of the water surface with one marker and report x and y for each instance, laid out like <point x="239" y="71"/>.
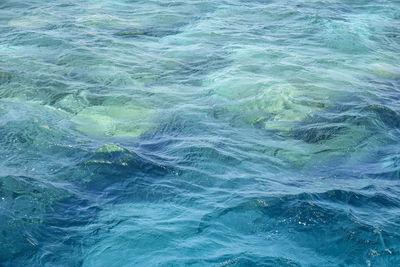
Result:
<point x="199" y="133"/>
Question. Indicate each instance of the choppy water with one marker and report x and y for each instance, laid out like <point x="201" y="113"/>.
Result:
<point x="200" y="133"/>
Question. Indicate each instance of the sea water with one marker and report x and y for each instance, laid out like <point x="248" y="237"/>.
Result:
<point x="200" y="133"/>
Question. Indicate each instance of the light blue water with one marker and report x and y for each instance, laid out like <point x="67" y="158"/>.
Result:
<point x="200" y="133"/>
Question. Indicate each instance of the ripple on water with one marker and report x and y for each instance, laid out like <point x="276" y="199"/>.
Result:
<point x="335" y="226"/>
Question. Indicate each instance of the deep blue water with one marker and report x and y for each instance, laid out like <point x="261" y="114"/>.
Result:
<point x="200" y="133"/>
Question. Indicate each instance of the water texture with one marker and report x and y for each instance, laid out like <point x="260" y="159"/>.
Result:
<point x="200" y="133"/>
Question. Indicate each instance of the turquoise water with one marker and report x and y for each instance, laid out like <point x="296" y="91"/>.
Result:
<point x="200" y="133"/>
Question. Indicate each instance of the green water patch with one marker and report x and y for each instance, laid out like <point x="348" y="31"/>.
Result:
<point x="384" y="70"/>
<point x="30" y="22"/>
<point x="101" y="21"/>
<point x="268" y="105"/>
<point x="96" y="117"/>
<point x="118" y="121"/>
